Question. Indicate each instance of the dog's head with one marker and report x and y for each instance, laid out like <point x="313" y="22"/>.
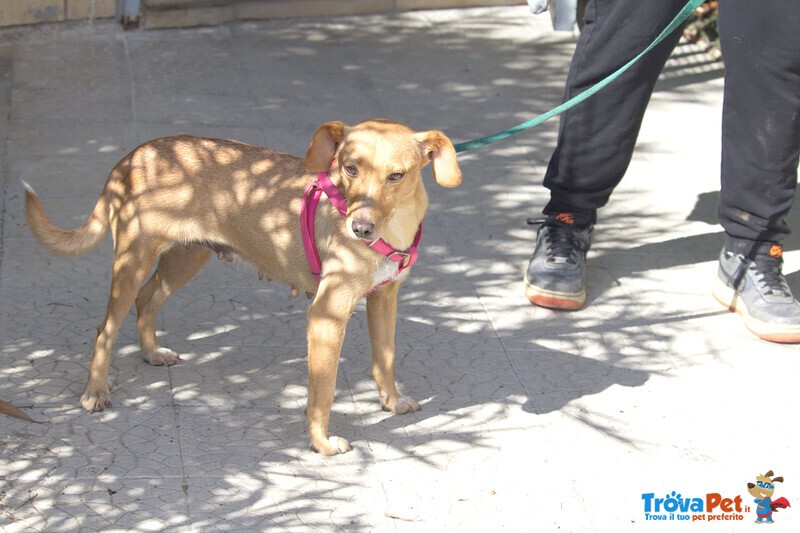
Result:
<point x="764" y="487"/>
<point x="379" y="164"/>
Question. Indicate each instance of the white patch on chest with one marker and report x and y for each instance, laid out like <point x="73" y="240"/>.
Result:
<point x="386" y="271"/>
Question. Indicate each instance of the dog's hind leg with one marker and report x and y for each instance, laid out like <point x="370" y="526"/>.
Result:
<point x="132" y="261"/>
<point x="175" y="268"/>
<point x="381" y="320"/>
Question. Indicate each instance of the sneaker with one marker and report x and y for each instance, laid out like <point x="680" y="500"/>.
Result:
<point x="555" y="275"/>
<point x="756" y="289"/>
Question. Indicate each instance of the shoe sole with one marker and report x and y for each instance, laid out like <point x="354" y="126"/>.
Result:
<point x="763" y="330"/>
<point x="567" y="301"/>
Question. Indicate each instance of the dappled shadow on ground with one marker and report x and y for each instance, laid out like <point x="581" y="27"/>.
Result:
<point x="232" y="412"/>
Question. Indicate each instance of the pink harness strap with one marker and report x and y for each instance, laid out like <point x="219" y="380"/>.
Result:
<point x="308" y="211"/>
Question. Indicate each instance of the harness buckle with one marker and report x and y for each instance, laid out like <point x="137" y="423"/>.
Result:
<point x="406" y="257"/>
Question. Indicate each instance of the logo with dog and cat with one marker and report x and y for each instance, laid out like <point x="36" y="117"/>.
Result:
<point x="675" y="506"/>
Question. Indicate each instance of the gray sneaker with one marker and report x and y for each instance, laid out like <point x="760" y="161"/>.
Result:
<point x="756" y="289"/>
<point x="555" y="274"/>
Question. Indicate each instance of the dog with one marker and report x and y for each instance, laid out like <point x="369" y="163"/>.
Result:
<point x="176" y="201"/>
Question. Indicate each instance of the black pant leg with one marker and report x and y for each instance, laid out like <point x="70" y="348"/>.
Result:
<point x="760" y="126"/>
<point x="597" y="137"/>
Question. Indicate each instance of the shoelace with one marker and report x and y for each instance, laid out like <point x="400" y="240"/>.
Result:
<point x="561" y="241"/>
<point x="767" y="272"/>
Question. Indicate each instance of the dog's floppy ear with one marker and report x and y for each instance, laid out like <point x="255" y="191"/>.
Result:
<point x="438" y="148"/>
<point x="323" y="146"/>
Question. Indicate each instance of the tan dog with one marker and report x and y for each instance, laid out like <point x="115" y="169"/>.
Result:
<point x="176" y="199"/>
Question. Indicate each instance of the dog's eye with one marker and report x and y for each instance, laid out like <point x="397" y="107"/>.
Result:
<point x="397" y="176"/>
<point x="351" y="170"/>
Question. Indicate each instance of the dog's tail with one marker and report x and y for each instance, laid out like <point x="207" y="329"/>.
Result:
<point x="64" y="242"/>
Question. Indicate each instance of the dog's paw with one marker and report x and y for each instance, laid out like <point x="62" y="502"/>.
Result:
<point x="333" y="446"/>
<point x="161" y="356"/>
<point x="402" y="405"/>
<point x="96" y="400"/>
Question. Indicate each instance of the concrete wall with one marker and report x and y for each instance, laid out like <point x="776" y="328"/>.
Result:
<point x="185" y="13"/>
<point x="18" y="12"/>
<point x="182" y="13"/>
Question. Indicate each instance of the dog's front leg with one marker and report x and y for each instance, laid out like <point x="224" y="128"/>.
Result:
<point x="327" y="322"/>
<point x="382" y="320"/>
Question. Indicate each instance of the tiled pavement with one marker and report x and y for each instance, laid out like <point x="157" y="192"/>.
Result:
<point x="532" y="420"/>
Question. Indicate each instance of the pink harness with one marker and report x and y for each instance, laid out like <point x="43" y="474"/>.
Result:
<point x="308" y="211"/>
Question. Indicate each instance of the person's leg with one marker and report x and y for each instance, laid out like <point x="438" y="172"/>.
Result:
<point x="760" y="147"/>
<point x="596" y="139"/>
<point x="760" y="122"/>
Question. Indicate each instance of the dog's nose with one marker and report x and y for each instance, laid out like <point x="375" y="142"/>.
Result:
<point x="362" y="228"/>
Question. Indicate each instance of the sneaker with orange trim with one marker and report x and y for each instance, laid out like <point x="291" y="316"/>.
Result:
<point x="756" y="289"/>
<point x="555" y="275"/>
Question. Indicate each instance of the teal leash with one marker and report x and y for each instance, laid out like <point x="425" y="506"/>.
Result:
<point x="687" y="10"/>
